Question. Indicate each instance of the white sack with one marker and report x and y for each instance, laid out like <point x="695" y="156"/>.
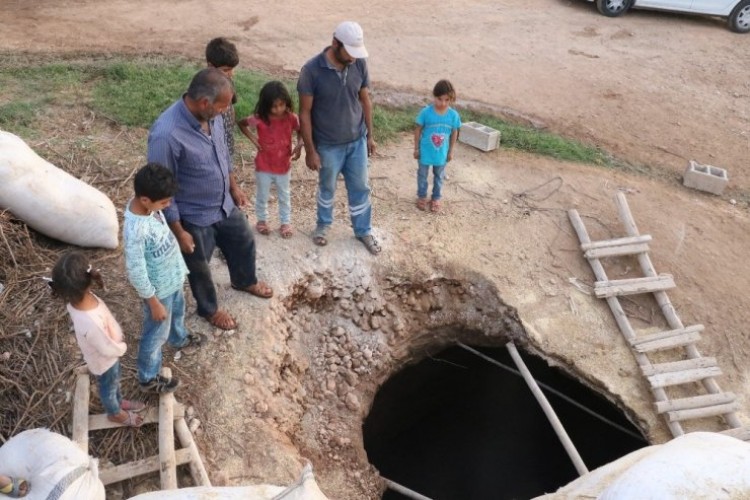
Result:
<point x="51" y="200"/>
<point x="47" y="461"/>
<point x="305" y="488"/>
<point x="696" y="465"/>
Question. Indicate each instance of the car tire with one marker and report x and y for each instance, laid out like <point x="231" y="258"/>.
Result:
<point x="739" y="19"/>
<point x="613" y="8"/>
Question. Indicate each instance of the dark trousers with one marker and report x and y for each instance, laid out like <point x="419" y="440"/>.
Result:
<point x="234" y="238"/>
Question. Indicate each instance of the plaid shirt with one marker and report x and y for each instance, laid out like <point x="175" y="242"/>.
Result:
<point x="200" y="162"/>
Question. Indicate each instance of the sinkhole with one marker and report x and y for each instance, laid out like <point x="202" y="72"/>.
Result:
<point x="456" y="426"/>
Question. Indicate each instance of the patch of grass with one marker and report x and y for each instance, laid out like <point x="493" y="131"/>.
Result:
<point x="18" y="114"/>
<point x="539" y="142"/>
<point x="390" y="122"/>
<point x="134" y="92"/>
<point x="39" y="80"/>
<point x="28" y="92"/>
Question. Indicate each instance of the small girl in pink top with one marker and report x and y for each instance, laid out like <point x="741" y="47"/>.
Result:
<point x="270" y="129"/>
<point x="97" y="332"/>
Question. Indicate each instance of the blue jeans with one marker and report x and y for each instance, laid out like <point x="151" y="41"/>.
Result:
<point x="349" y="160"/>
<point x="109" y="389"/>
<point x="155" y="333"/>
<point x="235" y="239"/>
<point x="437" y="184"/>
<point x="263" y="181"/>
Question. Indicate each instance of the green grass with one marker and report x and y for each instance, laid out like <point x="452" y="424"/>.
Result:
<point x="540" y="142"/>
<point x="26" y="93"/>
<point x="134" y="92"/>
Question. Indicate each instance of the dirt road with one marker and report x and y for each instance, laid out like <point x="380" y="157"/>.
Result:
<point x="651" y="87"/>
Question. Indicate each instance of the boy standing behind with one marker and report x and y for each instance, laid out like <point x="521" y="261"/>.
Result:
<point x="222" y="55"/>
<point x="157" y="271"/>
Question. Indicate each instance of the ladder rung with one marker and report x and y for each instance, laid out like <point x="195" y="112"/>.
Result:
<point x="150" y="416"/>
<point x="678" y="366"/>
<point x="694" y="402"/>
<point x="121" y="472"/>
<point x="667" y="339"/>
<point x="598" y="253"/>
<point x="612" y="288"/>
<point x="741" y="433"/>
<point x="683" y="377"/>
<point x="616" y="242"/>
<point x="708" y="411"/>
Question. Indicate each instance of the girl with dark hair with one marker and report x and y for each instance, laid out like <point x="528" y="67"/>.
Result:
<point x="98" y="334"/>
<point x="270" y="129"/>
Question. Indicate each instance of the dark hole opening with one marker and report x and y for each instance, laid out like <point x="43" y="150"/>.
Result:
<point x="455" y="426"/>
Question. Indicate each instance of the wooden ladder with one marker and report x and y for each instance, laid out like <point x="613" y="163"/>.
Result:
<point x="678" y="340"/>
<point x="170" y="417"/>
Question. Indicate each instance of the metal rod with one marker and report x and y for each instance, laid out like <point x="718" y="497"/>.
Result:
<point x="404" y="490"/>
<point x="547" y="408"/>
<point x="557" y="393"/>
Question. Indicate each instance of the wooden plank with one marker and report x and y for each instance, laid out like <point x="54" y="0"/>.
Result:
<point x="694" y="402"/>
<point x="167" y="461"/>
<point x="599" y="253"/>
<point x="741" y="433"/>
<point x="684" y="377"/>
<point x="150" y="416"/>
<point x="122" y="472"/>
<point x="197" y="470"/>
<point x="708" y="411"/>
<point x="678" y="366"/>
<point x="616" y="288"/>
<point x="81" y="411"/>
<point x="668" y="343"/>
<point x="616" y="242"/>
<point x="665" y="334"/>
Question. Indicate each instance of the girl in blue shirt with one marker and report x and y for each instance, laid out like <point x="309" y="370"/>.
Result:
<point x="434" y="140"/>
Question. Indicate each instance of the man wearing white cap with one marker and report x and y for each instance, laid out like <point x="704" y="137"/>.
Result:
<point x="336" y="125"/>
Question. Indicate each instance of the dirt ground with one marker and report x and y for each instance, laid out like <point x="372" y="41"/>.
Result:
<point x="502" y="259"/>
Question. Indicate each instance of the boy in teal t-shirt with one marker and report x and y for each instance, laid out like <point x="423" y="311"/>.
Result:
<point x="156" y="269"/>
<point x="434" y="139"/>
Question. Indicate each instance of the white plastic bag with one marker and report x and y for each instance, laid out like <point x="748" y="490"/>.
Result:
<point x="51" y="200"/>
<point x="55" y="467"/>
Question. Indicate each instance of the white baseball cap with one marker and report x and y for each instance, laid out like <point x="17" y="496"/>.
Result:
<point x="351" y="36"/>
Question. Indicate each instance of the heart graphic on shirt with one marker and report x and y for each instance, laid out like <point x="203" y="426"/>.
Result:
<point x="437" y="139"/>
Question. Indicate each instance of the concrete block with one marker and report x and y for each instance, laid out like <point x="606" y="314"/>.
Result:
<point x="705" y="177"/>
<point x="480" y="136"/>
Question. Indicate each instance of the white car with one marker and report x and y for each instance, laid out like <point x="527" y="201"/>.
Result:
<point x="737" y="12"/>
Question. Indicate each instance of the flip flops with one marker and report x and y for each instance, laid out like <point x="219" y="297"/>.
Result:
<point x="263" y="228"/>
<point x="260" y="289"/>
<point x="370" y="243"/>
<point x="222" y="319"/>
<point x="134" y="406"/>
<point x="286" y="231"/>
<point x="319" y="236"/>
<point x="132" y="419"/>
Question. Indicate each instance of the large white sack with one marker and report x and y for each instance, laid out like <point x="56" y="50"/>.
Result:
<point x="696" y="465"/>
<point x="54" y="466"/>
<point x="305" y="488"/>
<point x="51" y="200"/>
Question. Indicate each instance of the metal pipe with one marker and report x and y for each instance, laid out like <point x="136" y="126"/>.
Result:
<point x="404" y="490"/>
<point x="547" y="408"/>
